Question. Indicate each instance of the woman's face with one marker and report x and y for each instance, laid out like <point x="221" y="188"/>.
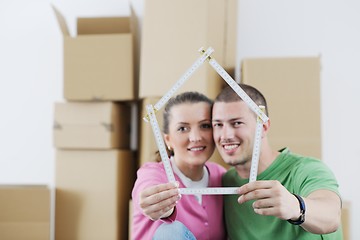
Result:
<point x="190" y="134"/>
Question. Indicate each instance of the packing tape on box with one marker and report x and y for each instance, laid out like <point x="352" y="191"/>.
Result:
<point x="259" y="111"/>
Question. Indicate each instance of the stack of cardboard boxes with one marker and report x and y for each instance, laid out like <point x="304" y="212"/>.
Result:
<point x="94" y="164"/>
<point x="24" y="212"/>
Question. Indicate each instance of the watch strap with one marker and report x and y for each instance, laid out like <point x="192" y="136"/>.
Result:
<point x="301" y="219"/>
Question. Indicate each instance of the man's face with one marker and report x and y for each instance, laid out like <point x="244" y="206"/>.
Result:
<point x="234" y="131"/>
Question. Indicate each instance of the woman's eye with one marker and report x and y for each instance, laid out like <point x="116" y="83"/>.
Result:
<point x="206" y="125"/>
<point x="182" y="129"/>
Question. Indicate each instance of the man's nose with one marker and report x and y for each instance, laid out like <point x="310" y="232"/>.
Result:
<point x="227" y="132"/>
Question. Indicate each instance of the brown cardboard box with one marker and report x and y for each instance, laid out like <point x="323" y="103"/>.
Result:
<point x="92" y="125"/>
<point x="130" y="218"/>
<point x="98" y="62"/>
<point x="172" y="33"/>
<point x="92" y="194"/>
<point x="292" y="90"/>
<point x="24" y="212"/>
<point x="345" y="219"/>
<point x="146" y="140"/>
<point x="147" y="144"/>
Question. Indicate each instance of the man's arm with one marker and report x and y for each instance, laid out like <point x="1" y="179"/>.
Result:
<point x="323" y="212"/>
<point x="323" y="207"/>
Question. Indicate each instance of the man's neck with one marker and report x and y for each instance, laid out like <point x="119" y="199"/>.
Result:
<point x="267" y="157"/>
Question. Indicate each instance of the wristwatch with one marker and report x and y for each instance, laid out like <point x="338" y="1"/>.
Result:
<point x="301" y="219"/>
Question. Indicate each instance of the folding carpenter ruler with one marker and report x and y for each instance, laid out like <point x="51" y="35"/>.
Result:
<point x="261" y="119"/>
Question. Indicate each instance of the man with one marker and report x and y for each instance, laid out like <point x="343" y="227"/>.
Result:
<point x="294" y="197"/>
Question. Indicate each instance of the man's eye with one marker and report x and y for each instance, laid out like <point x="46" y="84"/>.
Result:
<point x="217" y="125"/>
<point x="238" y="123"/>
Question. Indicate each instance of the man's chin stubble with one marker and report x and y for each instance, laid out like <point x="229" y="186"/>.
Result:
<point x="237" y="163"/>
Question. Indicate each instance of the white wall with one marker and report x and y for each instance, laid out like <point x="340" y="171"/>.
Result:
<point x="31" y="75"/>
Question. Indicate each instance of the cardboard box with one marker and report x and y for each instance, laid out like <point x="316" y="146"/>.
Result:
<point x="146" y="140"/>
<point x="92" y="194"/>
<point x="292" y="89"/>
<point x="24" y="212"/>
<point x="345" y="219"/>
<point x="98" y="62"/>
<point x="92" y="125"/>
<point x="130" y="218"/>
<point x="170" y="43"/>
<point x="147" y="144"/>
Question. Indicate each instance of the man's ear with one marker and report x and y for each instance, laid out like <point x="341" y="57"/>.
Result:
<point x="266" y="127"/>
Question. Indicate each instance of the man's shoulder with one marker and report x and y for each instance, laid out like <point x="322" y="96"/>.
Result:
<point x="295" y="158"/>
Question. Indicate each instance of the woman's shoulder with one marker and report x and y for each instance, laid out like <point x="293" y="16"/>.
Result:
<point x="151" y="166"/>
<point x="150" y="173"/>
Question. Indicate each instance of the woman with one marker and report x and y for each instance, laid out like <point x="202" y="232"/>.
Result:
<point x="160" y="212"/>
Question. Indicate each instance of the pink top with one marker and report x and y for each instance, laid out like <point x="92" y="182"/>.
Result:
<point x="205" y="221"/>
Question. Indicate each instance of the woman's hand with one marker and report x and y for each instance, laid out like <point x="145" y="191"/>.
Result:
<point x="159" y="201"/>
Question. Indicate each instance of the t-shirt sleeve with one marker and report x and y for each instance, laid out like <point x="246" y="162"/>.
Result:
<point x="312" y="175"/>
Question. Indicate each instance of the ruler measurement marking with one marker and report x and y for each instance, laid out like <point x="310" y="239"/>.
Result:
<point x="160" y="143"/>
<point x="256" y="149"/>
<point x="210" y="190"/>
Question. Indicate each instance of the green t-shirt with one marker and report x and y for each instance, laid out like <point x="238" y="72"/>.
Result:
<point x="300" y="175"/>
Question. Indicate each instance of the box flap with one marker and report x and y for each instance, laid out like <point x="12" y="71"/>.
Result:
<point x="61" y="21"/>
<point x="103" y="25"/>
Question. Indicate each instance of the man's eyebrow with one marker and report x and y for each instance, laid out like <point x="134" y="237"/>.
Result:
<point x="227" y="120"/>
<point x="216" y="120"/>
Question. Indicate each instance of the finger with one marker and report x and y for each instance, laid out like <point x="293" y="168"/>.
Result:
<point x="251" y="186"/>
<point x="263" y="203"/>
<point x="265" y="211"/>
<point x="255" y="195"/>
<point x="158" y="188"/>
<point x="160" y="214"/>
<point x="160" y="197"/>
<point x="156" y="210"/>
<point x="157" y="198"/>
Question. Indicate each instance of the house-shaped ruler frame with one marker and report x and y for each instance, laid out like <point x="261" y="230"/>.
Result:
<point x="261" y="119"/>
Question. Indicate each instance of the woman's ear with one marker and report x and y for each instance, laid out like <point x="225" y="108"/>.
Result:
<point x="167" y="140"/>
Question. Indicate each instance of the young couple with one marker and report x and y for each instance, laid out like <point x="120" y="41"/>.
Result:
<point x="294" y="197"/>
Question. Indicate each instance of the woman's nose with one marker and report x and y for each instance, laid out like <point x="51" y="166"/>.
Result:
<point x="194" y="135"/>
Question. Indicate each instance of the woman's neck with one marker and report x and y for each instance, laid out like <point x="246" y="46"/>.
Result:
<point x="195" y="173"/>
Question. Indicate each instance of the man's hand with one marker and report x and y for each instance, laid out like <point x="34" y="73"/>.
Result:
<point x="159" y="201"/>
<point x="271" y="199"/>
<point x="323" y="207"/>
